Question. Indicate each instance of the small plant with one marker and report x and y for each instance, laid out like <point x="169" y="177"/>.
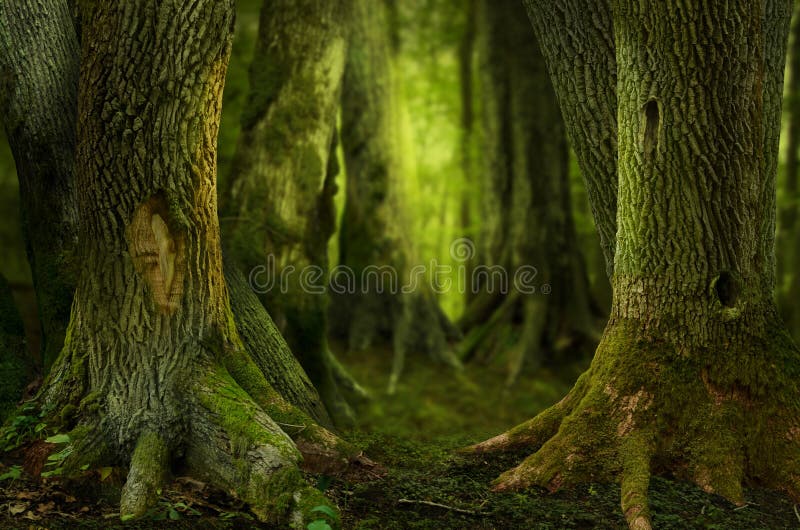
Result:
<point x="56" y="460"/>
<point x="12" y="474"/>
<point x="322" y="523"/>
<point x="27" y="424"/>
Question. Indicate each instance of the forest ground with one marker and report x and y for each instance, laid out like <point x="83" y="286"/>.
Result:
<point x="413" y="434"/>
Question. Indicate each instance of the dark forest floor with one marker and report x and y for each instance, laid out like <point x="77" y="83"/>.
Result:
<point x="414" y="434"/>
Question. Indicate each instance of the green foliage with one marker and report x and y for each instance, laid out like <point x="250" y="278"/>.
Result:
<point x="323" y="524"/>
<point x="13" y="473"/>
<point x="27" y="425"/>
<point x="55" y="462"/>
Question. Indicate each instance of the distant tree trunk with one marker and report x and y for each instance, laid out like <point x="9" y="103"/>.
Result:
<point x="39" y="72"/>
<point x="789" y="259"/>
<point x="696" y="374"/>
<point x="153" y="368"/>
<point x="527" y="213"/>
<point x="283" y="179"/>
<point x="466" y="74"/>
<point x="16" y="366"/>
<point x="373" y="238"/>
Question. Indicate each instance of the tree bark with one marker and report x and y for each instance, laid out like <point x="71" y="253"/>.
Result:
<point x="153" y="368"/>
<point x="527" y="212"/>
<point x="372" y="236"/>
<point x="284" y="174"/>
<point x="577" y="41"/>
<point x="695" y="375"/>
<point x="39" y="72"/>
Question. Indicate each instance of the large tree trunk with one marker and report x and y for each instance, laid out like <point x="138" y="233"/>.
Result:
<point x="39" y="72"/>
<point x="695" y="374"/>
<point x="283" y="178"/>
<point x="527" y="214"/>
<point x="373" y="240"/>
<point x="153" y="368"/>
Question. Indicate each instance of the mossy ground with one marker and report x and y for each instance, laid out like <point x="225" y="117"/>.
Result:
<point x="414" y="434"/>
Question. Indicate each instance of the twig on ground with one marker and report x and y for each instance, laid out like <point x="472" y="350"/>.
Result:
<point x="438" y="505"/>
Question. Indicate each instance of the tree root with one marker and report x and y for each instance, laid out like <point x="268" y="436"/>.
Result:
<point x="646" y="407"/>
<point x="145" y="476"/>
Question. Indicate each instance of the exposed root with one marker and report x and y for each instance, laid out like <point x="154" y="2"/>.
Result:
<point x="346" y="381"/>
<point x="636" y="451"/>
<point x="648" y="406"/>
<point x="322" y="450"/>
<point x="145" y="477"/>
<point x="236" y="446"/>
<point x="533" y="433"/>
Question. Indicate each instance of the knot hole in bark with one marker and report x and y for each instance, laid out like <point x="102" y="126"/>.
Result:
<point x="156" y="249"/>
<point x="726" y="289"/>
<point x="651" y="115"/>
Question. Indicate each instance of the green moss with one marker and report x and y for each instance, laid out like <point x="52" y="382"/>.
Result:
<point x="236" y="410"/>
<point x="286" y="496"/>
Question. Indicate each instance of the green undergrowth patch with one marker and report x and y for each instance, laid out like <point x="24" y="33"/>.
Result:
<point x="416" y="432"/>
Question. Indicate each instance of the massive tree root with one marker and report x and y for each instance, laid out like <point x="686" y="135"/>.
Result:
<point x="217" y="419"/>
<point x="721" y="417"/>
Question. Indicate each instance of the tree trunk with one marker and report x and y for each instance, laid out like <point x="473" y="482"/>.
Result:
<point x="789" y="258"/>
<point x="153" y="368"/>
<point x="16" y="366"/>
<point x="39" y="71"/>
<point x="467" y="82"/>
<point x="695" y="374"/>
<point x="527" y="212"/>
<point x="284" y="175"/>
<point x="372" y="237"/>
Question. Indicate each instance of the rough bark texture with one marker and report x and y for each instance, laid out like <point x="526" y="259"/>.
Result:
<point x="372" y="235"/>
<point x="577" y="41"/>
<point x="695" y="374"/>
<point x="789" y="257"/>
<point x="526" y="211"/>
<point x="38" y="90"/>
<point x="283" y="180"/>
<point x="16" y="366"/>
<point x="153" y="368"/>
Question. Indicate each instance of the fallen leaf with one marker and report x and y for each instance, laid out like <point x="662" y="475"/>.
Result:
<point x="17" y="508"/>
<point x="27" y="495"/>
<point x="30" y="515"/>
<point x="46" y="507"/>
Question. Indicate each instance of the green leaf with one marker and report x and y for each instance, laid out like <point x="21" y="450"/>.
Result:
<point x="319" y="524"/>
<point x="12" y="474"/>
<point x="84" y="467"/>
<point x="58" y="439"/>
<point x="327" y="510"/>
<point x="40" y="427"/>
<point x="127" y="517"/>
<point x="173" y="514"/>
<point x="54" y="473"/>
<point x="105" y="472"/>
